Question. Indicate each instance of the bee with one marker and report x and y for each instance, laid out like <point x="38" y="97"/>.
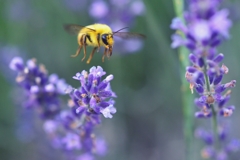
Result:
<point x="97" y="35"/>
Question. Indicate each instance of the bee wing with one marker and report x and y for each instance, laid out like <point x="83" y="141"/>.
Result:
<point x="129" y="35"/>
<point x="74" y="28"/>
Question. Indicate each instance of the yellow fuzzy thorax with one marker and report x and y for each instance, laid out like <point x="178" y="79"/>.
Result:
<point x="100" y="29"/>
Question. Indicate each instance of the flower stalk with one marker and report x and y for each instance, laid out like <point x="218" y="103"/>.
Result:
<point x="187" y="97"/>
<point x="214" y="112"/>
<point x="204" y="27"/>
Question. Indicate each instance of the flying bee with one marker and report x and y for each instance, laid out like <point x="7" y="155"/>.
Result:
<point x="97" y="35"/>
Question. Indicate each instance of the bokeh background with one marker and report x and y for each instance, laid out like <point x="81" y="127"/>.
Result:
<point x="148" y="124"/>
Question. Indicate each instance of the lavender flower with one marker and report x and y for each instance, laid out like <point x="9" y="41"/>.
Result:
<point x="41" y="92"/>
<point x="206" y="26"/>
<point x="95" y="95"/>
<point x="225" y="147"/>
<point x="71" y="129"/>
<point x="205" y="76"/>
<point x="202" y="31"/>
<point x="75" y="132"/>
<point x="201" y="37"/>
<point x="88" y="103"/>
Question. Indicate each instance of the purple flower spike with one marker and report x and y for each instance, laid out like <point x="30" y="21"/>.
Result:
<point x="72" y="129"/>
<point x="93" y="95"/>
<point x="202" y="27"/>
<point x="41" y="91"/>
<point x="205" y="27"/>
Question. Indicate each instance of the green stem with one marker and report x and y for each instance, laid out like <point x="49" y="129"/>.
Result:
<point x="214" y="113"/>
<point x="187" y="97"/>
<point x="178" y="7"/>
<point x="215" y="126"/>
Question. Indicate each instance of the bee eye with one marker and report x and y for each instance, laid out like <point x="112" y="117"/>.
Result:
<point x="104" y="39"/>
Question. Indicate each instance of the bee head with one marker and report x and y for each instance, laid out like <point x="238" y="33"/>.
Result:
<point x="107" y="39"/>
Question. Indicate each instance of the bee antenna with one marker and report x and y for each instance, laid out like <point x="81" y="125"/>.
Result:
<point x="119" y="30"/>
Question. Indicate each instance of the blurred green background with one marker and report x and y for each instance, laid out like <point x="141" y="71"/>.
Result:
<point x="148" y="123"/>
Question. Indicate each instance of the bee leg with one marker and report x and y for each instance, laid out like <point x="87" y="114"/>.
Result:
<point x="110" y="51"/>
<point x="84" y="51"/>
<point x="78" y="51"/>
<point x="109" y="54"/>
<point x="91" y="55"/>
<point x="98" y="48"/>
<point x="105" y="54"/>
<point x="83" y="42"/>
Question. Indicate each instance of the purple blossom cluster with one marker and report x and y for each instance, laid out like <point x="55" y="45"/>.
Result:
<point x="202" y="35"/>
<point x="204" y="28"/>
<point x="225" y="146"/>
<point x="212" y="93"/>
<point x="95" y="95"/>
<point x="70" y="129"/>
<point x="42" y="91"/>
